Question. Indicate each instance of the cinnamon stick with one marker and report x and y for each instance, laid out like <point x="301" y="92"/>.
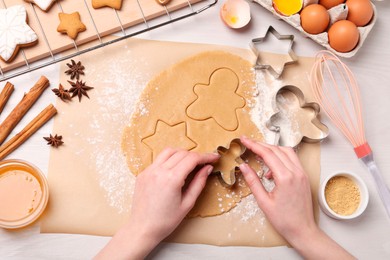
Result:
<point x="22" y="107"/>
<point x="5" y="95"/>
<point x="30" y="129"/>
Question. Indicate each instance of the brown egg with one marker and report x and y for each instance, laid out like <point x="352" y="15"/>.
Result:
<point x="314" y="19"/>
<point x="343" y="36"/>
<point x="360" y="12"/>
<point x="330" y="3"/>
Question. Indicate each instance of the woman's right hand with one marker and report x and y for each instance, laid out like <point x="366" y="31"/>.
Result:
<point x="289" y="206"/>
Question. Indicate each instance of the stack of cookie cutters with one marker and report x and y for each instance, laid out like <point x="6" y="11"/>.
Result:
<point x="280" y="134"/>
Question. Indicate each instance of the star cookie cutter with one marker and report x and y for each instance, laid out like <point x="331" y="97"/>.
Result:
<point x="269" y="67"/>
<point x="322" y="130"/>
<point x="227" y="165"/>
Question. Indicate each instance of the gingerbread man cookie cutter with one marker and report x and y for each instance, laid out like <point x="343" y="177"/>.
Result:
<point x="259" y="65"/>
<point x="227" y="165"/>
<point x="320" y="132"/>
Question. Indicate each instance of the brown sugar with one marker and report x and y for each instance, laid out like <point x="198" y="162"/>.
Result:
<point x="342" y="195"/>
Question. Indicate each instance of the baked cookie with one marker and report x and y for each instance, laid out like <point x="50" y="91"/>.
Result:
<point x="14" y="32"/>
<point x="116" y="4"/>
<point x="44" y="5"/>
<point x="71" y="24"/>
<point x="163" y="2"/>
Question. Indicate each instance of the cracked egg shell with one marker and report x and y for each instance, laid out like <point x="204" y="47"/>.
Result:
<point x="235" y="13"/>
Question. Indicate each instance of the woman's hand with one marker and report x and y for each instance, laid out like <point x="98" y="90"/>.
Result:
<point x="159" y="202"/>
<point x="289" y="206"/>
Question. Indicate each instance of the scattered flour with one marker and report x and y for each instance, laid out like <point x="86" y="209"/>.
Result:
<point x="118" y="91"/>
<point x="264" y="106"/>
<point x="290" y="133"/>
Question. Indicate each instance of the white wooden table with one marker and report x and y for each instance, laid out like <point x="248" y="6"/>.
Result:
<point x="367" y="237"/>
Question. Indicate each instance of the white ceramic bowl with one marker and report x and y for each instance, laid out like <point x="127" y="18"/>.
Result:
<point x="363" y="196"/>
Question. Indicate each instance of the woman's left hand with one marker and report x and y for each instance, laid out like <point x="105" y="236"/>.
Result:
<point x="159" y="202"/>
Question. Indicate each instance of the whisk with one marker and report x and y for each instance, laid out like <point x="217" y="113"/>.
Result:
<point x="336" y="90"/>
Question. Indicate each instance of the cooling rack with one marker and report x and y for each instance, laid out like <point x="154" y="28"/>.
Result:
<point x="190" y="8"/>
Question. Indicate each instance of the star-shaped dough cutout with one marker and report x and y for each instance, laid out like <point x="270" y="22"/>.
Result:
<point x="70" y="24"/>
<point x="166" y="135"/>
<point x="44" y="5"/>
<point x="14" y="32"/>
<point x="116" y="4"/>
<point x="218" y="100"/>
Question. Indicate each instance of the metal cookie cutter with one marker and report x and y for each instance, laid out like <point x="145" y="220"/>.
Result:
<point x="300" y="136"/>
<point x="268" y="67"/>
<point x="227" y="165"/>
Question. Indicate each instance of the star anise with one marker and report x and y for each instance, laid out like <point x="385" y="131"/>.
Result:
<point x="75" y="70"/>
<point x="54" y="140"/>
<point x="62" y="93"/>
<point x="79" y="89"/>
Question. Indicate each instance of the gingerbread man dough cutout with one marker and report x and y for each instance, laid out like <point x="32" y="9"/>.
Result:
<point x="222" y="86"/>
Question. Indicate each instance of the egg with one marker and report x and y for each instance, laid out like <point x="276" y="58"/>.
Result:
<point x="360" y="12"/>
<point x="343" y="36"/>
<point x="314" y="19"/>
<point x="235" y="13"/>
<point x="287" y="7"/>
<point x="330" y="3"/>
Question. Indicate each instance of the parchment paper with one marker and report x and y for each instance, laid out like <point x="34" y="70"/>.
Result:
<point x="90" y="185"/>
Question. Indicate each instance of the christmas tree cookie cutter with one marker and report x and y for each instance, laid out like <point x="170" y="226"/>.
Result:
<point x="227" y="165"/>
<point x="261" y="66"/>
<point x="296" y="120"/>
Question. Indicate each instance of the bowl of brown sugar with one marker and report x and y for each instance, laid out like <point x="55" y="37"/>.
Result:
<point x="343" y="196"/>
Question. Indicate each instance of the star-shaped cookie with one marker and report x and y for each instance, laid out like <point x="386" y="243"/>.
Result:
<point x="14" y="32"/>
<point x="70" y="24"/>
<point x="44" y="5"/>
<point x="116" y="4"/>
<point x="211" y="101"/>
<point x="166" y="135"/>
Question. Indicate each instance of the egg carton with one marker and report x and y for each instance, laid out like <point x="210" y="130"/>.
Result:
<point x="336" y="13"/>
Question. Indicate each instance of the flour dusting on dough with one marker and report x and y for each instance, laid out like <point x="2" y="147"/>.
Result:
<point x="117" y="99"/>
<point x="288" y="122"/>
<point x="264" y="106"/>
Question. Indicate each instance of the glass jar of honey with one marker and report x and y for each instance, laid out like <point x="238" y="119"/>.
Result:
<point x="24" y="193"/>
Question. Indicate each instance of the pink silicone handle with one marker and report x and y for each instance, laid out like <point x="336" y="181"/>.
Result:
<point x="363" y="150"/>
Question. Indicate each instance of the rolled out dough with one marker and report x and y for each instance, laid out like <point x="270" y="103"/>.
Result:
<point x="197" y="104"/>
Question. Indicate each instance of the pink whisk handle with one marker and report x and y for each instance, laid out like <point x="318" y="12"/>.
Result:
<point x="363" y="150"/>
<point x="383" y="191"/>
